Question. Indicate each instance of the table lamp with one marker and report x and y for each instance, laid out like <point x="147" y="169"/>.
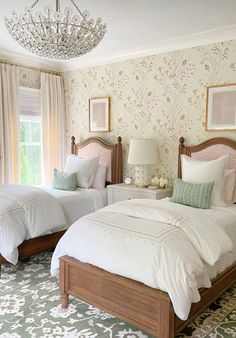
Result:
<point x="142" y="154"/>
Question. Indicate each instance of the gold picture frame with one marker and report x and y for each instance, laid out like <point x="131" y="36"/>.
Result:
<point x="99" y="114"/>
<point x="221" y="107"/>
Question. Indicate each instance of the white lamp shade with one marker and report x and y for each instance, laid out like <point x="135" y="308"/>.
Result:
<point x="142" y="151"/>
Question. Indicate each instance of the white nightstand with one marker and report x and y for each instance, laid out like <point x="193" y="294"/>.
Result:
<point x="122" y="192"/>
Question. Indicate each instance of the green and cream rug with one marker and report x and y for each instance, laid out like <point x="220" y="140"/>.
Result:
<point x="29" y="307"/>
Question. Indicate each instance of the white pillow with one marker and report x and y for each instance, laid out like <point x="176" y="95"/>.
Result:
<point x="85" y="168"/>
<point x="99" y="181"/>
<point x="229" y="186"/>
<point x="195" y="171"/>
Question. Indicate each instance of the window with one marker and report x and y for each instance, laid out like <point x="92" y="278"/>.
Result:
<point x="30" y="137"/>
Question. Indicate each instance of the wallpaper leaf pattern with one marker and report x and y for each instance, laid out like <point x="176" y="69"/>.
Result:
<point x="161" y="97"/>
<point x="29" y="78"/>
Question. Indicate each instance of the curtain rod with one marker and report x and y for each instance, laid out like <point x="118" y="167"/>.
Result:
<point x="43" y="70"/>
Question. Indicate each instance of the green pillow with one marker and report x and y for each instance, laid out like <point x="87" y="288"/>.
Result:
<point x="192" y="194"/>
<point x="64" y="181"/>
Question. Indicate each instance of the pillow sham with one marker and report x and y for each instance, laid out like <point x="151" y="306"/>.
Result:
<point x="64" y="181"/>
<point x="84" y="167"/>
<point x="229" y="185"/>
<point x="99" y="181"/>
<point x="196" y="171"/>
<point x="196" y="195"/>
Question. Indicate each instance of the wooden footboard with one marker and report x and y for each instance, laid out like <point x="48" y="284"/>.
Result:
<point x="140" y="305"/>
<point x="36" y="245"/>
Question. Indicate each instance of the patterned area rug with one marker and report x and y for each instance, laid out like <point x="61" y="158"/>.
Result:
<point x="29" y="307"/>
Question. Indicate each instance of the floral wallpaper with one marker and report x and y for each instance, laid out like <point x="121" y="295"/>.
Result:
<point x="29" y="78"/>
<point x="161" y="97"/>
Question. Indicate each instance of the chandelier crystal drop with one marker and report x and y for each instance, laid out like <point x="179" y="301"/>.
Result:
<point x="60" y="33"/>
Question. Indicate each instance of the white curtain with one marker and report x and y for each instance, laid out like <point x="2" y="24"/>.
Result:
<point x="9" y="124"/>
<point x="53" y="124"/>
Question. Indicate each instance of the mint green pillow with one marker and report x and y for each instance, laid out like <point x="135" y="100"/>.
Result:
<point x="197" y="195"/>
<point x="64" y="181"/>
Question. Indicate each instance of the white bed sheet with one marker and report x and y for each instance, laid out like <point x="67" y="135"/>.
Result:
<point x="27" y="212"/>
<point x="80" y="202"/>
<point x="226" y="218"/>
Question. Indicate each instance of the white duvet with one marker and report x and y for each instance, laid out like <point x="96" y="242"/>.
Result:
<point x="26" y="212"/>
<point x="161" y="244"/>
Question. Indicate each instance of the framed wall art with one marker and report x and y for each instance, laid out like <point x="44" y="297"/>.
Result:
<point x="99" y="114"/>
<point x="221" y="107"/>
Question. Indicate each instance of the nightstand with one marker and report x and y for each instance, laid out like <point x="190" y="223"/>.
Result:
<point x="122" y="192"/>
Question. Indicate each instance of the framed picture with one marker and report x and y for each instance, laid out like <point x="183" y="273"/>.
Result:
<point x="99" y="114"/>
<point x="221" y="107"/>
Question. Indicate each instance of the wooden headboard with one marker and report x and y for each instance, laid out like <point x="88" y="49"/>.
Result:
<point x="209" y="150"/>
<point x="109" y="155"/>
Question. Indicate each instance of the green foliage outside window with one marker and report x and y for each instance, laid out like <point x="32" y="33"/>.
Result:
<point x="30" y="151"/>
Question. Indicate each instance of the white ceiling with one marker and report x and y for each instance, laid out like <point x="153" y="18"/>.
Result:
<point x="135" y="28"/>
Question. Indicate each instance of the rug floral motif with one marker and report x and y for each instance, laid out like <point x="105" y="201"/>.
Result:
<point x="30" y="308"/>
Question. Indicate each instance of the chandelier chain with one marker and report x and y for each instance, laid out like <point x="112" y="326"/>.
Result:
<point x="75" y="5"/>
<point x="34" y="4"/>
<point x="58" y="5"/>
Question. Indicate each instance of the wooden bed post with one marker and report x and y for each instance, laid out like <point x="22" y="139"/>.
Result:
<point x="181" y="151"/>
<point x="119" y="160"/>
<point x="63" y="284"/>
<point x="167" y="320"/>
<point x="2" y="261"/>
<point x="117" y="165"/>
<point x="73" y="145"/>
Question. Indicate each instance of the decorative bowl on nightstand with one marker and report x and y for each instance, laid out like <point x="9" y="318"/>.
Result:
<point x="128" y="180"/>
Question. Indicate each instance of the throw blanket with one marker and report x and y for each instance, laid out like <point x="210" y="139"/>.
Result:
<point x="26" y="212"/>
<point x="158" y="243"/>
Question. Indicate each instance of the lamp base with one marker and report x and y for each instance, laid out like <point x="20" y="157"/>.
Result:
<point x="141" y="176"/>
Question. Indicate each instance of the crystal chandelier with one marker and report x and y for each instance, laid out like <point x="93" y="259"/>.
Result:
<point x="56" y="34"/>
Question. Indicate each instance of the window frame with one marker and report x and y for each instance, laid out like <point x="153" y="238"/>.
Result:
<point x="35" y="116"/>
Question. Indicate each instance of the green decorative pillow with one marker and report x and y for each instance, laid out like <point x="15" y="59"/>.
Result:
<point x="64" y="181"/>
<point x="197" y="195"/>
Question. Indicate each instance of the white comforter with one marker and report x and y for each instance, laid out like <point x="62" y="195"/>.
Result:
<point x="26" y="212"/>
<point x="161" y="244"/>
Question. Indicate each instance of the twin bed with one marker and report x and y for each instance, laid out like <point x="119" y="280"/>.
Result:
<point x="32" y="220"/>
<point x="154" y="264"/>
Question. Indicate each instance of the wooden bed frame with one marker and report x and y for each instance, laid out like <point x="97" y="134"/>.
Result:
<point x="147" y="308"/>
<point x="48" y="242"/>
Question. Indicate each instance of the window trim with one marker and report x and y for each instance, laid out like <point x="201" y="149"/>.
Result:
<point x="26" y="115"/>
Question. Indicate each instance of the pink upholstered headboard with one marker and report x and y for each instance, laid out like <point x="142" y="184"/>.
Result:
<point x="109" y="155"/>
<point x="209" y="150"/>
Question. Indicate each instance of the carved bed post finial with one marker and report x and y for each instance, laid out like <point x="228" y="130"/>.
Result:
<point x="181" y="151"/>
<point x="118" y="165"/>
<point x="119" y="139"/>
<point x="72" y="145"/>
<point x="181" y="140"/>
